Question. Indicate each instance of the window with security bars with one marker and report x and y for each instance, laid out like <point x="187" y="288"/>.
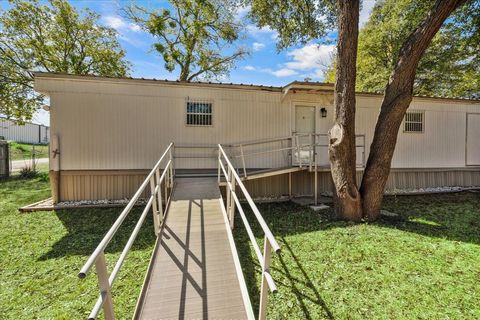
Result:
<point x="199" y="113"/>
<point x="414" y="121"/>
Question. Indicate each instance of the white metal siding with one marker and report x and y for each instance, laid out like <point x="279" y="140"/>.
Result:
<point x="441" y="145"/>
<point x="127" y="126"/>
<point x="473" y="139"/>
<point x="28" y="133"/>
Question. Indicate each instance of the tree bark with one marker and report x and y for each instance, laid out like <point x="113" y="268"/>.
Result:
<point x="341" y="148"/>
<point x="397" y="98"/>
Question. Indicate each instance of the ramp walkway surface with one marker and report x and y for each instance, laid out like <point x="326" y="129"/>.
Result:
<point x="193" y="272"/>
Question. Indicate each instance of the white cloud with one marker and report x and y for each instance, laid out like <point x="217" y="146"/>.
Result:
<point x="258" y="46"/>
<point x="284" y="72"/>
<point x="125" y="30"/>
<point x="311" y="56"/>
<point x="114" y="22"/>
<point x="134" y="27"/>
<point x="280" y="73"/>
<point x="249" y="68"/>
<point x="255" y="31"/>
<point x="309" y="61"/>
<point x="119" y="24"/>
<point x="367" y="7"/>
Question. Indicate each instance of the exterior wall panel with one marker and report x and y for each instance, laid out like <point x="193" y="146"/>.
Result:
<point x="27" y="133"/>
<point x="130" y="131"/>
<point x="122" y="184"/>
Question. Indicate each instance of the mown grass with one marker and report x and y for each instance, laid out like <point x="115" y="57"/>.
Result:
<point x="424" y="264"/>
<point x="42" y="252"/>
<point x="23" y="151"/>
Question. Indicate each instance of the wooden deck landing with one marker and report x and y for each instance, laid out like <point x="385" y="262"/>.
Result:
<point x="193" y="273"/>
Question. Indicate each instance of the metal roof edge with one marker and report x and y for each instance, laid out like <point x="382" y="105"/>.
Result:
<point x="55" y="75"/>
<point x="301" y="85"/>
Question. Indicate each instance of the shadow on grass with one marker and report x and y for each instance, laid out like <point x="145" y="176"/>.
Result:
<point x="296" y="285"/>
<point x="87" y="227"/>
<point x="283" y="219"/>
<point x="454" y="216"/>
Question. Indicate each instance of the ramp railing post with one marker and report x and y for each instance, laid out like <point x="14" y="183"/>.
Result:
<point x="104" y="285"/>
<point x="267" y="249"/>
<point x="299" y="157"/>
<point x="232" y="203"/>
<point x="165" y="188"/>
<point x="218" y="162"/>
<point x="172" y="165"/>
<point x="243" y="161"/>
<point x="228" y="190"/>
<point x="159" y="198"/>
<point x="156" y="222"/>
<point x="310" y="152"/>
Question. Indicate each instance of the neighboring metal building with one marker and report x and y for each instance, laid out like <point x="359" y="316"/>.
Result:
<point x="111" y="131"/>
<point x="28" y="133"/>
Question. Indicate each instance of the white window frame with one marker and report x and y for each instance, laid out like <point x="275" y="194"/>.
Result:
<point x="187" y="101"/>
<point x="405" y="122"/>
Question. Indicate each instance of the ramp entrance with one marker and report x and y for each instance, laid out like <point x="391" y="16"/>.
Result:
<point x="194" y="271"/>
<point x="193" y="274"/>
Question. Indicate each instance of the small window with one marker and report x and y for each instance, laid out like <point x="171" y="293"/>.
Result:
<point x="414" y="121"/>
<point x="199" y="113"/>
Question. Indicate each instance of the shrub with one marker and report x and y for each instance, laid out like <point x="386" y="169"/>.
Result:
<point x="28" y="172"/>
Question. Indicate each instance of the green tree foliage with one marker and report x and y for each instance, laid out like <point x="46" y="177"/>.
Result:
<point x="297" y="21"/>
<point x="449" y="67"/>
<point x="53" y="38"/>
<point x="193" y="36"/>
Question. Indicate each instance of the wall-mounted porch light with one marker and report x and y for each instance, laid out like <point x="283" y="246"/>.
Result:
<point x="323" y="112"/>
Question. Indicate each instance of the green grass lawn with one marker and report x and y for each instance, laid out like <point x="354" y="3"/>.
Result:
<point x="424" y="264"/>
<point x="23" y="151"/>
<point x="42" y="252"/>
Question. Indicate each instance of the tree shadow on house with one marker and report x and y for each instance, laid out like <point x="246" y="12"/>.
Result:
<point x="86" y="228"/>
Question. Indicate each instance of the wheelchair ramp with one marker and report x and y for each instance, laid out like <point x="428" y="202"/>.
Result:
<point x="194" y="269"/>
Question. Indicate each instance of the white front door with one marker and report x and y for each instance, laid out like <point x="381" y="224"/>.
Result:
<point x="304" y="125"/>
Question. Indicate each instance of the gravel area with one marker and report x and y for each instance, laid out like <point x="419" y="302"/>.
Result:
<point x="424" y="191"/>
<point x="99" y="202"/>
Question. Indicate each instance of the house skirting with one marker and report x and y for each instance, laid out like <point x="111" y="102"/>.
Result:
<point x="74" y="185"/>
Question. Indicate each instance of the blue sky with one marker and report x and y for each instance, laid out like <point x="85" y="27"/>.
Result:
<point x="264" y="65"/>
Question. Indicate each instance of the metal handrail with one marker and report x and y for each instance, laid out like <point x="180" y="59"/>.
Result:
<point x="256" y="142"/>
<point x="270" y="243"/>
<point x="314" y="143"/>
<point x="155" y="179"/>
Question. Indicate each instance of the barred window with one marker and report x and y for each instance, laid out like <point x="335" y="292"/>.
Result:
<point x="414" y="121"/>
<point x="199" y="113"/>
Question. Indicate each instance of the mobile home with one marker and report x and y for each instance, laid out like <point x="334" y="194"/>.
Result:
<point x="107" y="133"/>
<point x="27" y="133"/>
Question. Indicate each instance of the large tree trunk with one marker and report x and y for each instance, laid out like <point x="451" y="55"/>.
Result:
<point x="397" y="98"/>
<point x="342" y="135"/>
